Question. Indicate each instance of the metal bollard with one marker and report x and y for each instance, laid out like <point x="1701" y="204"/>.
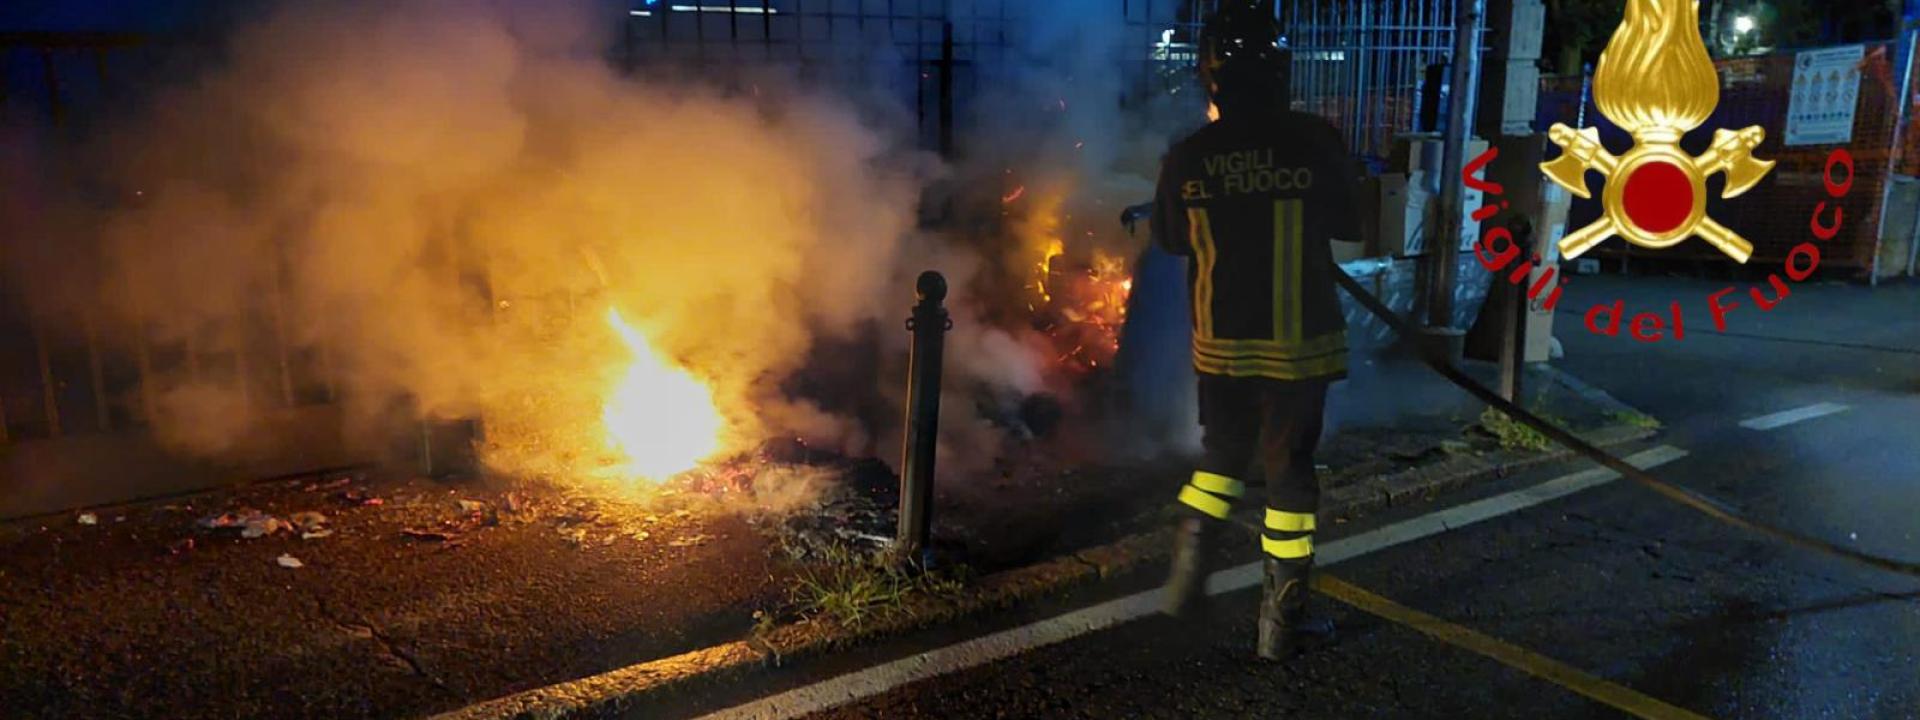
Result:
<point x="929" y="326"/>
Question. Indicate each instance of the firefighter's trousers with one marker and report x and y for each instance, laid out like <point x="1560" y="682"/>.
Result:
<point x="1275" y="424"/>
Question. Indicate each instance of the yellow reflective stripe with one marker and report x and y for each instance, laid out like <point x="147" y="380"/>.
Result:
<point x="1277" y="369"/>
<point x="1283" y="521"/>
<point x="1288" y="549"/>
<point x="1321" y="345"/>
<point x="1200" y="235"/>
<point x="1219" y="484"/>
<point x="1287" y="241"/>
<point x="1198" y="499"/>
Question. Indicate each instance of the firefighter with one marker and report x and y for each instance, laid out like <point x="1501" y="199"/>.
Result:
<point x="1253" y="199"/>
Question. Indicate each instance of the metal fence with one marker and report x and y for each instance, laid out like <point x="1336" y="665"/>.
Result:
<point x="936" y="56"/>
<point x="1360" y="63"/>
<point x="55" y="375"/>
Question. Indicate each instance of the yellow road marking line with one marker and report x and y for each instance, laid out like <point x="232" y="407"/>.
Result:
<point x="1620" y="697"/>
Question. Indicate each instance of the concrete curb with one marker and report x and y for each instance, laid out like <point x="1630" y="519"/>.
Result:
<point x="612" y="693"/>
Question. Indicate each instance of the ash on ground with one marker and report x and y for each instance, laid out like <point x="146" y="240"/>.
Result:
<point x="813" y="503"/>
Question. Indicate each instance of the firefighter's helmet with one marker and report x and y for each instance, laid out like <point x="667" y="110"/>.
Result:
<point x="1242" y="61"/>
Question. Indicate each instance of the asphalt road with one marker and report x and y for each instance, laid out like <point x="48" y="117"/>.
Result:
<point x="1803" y="416"/>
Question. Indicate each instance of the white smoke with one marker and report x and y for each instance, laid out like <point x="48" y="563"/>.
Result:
<point x="436" y="200"/>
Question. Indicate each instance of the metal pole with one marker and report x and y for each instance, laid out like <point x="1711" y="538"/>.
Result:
<point x="946" y="96"/>
<point x="144" y="359"/>
<point x="1461" y="97"/>
<point x="929" y="326"/>
<point x="1902" y="114"/>
<point x="279" y="308"/>
<point x="1513" y="303"/>
<point x="96" y="373"/>
<point x="49" y="390"/>
<point x="1513" y="327"/>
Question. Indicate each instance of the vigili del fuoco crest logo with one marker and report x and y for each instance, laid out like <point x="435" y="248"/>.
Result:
<point x="1656" y="81"/>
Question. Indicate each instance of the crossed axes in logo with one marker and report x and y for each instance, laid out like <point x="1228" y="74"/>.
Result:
<point x="1656" y="194"/>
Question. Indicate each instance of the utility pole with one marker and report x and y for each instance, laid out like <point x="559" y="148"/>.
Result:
<point x="1445" y="252"/>
<point x="1517" y="31"/>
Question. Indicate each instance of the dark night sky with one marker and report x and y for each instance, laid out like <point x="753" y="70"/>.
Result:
<point x="154" y="16"/>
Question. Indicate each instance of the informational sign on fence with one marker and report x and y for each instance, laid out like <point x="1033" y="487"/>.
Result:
<point x="1826" y="92"/>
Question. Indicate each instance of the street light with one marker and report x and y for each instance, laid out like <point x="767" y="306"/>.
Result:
<point x="1743" y="24"/>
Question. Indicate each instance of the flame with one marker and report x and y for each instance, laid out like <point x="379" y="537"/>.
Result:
<point x="1079" y="292"/>
<point x="1094" y="306"/>
<point x="1655" y="79"/>
<point x="1055" y="248"/>
<point x="1037" y="226"/>
<point x="659" y="417"/>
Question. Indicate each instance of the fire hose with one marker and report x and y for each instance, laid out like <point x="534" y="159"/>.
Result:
<point x="1705" y="505"/>
<point x="1692" y="500"/>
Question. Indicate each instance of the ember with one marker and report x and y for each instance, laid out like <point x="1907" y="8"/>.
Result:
<point x="1080" y="293"/>
<point x="1088" y="311"/>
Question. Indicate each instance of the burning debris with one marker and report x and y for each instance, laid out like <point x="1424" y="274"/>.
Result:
<point x="857" y="511"/>
<point x="620" y="278"/>
<point x="246" y="523"/>
<point x="629" y="285"/>
<point x="312" y="525"/>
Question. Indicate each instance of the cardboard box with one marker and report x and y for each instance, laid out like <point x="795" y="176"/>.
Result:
<point x="1410" y="152"/>
<point x="1471" y="200"/>
<point x="1415" y="154"/>
<point x="1402" y="216"/>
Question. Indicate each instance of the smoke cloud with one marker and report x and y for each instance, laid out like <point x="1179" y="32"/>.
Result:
<point x="436" y="201"/>
<point x="432" y="205"/>
<point x="1073" y="131"/>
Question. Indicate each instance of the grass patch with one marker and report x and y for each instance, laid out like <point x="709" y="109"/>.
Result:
<point x="1635" y="419"/>
<point x="853" y="586"/>
<point x="1513" y="434"/>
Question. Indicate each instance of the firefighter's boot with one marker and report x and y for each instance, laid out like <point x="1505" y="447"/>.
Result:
<point x="1283" y="608"/>
<point x="1187" y="575"/>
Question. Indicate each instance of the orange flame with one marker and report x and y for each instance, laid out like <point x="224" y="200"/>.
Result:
<point x="1655" y="79"/>
<point x="1079" y="293"/>
<point x="659" y="417"/>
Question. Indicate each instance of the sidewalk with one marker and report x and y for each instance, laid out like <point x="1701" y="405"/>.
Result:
<point x="416" y="597"/>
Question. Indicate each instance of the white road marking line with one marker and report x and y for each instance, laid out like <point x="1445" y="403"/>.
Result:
<point x="876" y="680"/>
<point x="1782" y="419"/>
